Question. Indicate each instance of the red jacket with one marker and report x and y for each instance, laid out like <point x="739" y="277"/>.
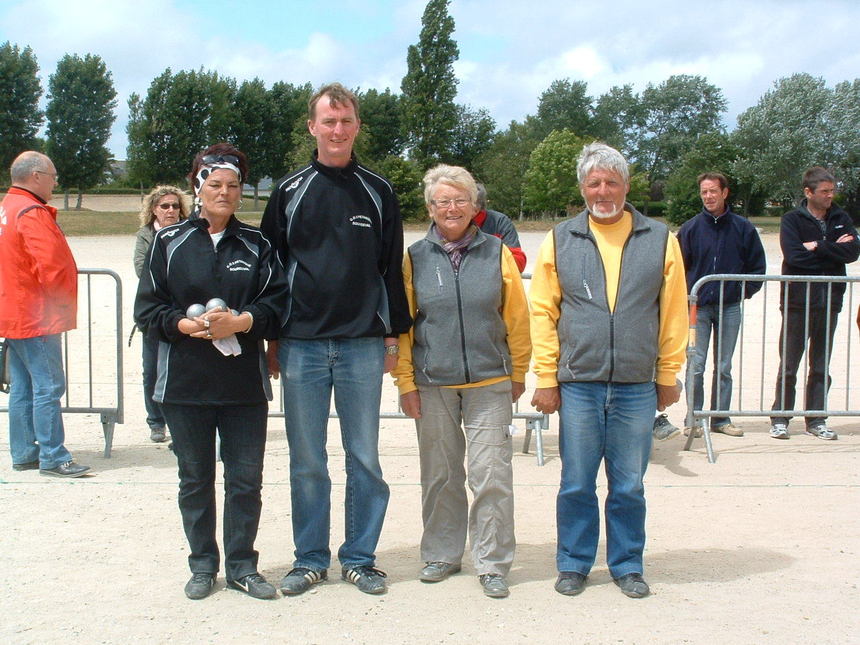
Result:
<point x="38" y="275"/>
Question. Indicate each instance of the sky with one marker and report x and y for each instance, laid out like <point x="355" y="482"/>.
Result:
<point x="510" y="50"/>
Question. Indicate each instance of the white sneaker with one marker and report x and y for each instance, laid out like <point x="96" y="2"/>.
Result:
<point x="822" y="432"/>
<point x="779" y="431"/>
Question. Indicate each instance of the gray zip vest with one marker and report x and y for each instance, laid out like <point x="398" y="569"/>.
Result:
<point x="460" y="336"/>
<point x="596" y="344"/>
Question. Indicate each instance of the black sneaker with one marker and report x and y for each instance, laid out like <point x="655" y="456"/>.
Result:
<point x="68" y="469"/>
<point x="255" y="586"/>
<point x="29" y="465"/>
<point x="200" y="585"/>
<point x="570" y="583"/>
<point x="300" y="579"/>
<point x="157" y="435"/>
<point x="494" y="585"/>
<point x="368" y="579"/>
<point x="633" y="585"/>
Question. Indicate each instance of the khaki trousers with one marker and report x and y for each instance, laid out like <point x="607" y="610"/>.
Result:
<point x="485" y="413"/>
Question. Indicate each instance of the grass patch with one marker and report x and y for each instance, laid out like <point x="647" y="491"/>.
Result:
<point x="79" y="223"/>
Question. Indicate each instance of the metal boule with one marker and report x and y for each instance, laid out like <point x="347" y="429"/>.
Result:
<point x="194" y="311"/>
<point x="216" y="303"/>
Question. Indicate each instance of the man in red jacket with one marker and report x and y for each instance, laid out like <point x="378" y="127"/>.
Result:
<point x="38" y="301"/>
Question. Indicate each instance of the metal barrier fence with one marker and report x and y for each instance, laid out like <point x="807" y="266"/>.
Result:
<point x="536" y="422"/>
<point x="754" y="382"/>
<point x="92" y="354"/>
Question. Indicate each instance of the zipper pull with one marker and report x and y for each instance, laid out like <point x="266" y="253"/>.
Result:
<point x="439" y="278"/>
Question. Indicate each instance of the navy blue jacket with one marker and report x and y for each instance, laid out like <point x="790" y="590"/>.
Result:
<point x="828" y="258"/>
<point x="724" y="244"/>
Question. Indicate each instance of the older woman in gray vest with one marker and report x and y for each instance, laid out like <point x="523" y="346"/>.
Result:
<point x="460" y="368"/>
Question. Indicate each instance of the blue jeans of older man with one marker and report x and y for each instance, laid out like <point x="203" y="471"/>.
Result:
<point x="38" y="383"/>
<point x="609" y="422"/>
<point x="725" y="336"/>
<point x="310" y="370"/>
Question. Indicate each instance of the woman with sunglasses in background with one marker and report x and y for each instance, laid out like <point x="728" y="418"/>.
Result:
<point x="164" y="206"/>
<point x="212" y="373"/>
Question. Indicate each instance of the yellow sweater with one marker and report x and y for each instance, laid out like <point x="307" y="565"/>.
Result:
<point x="515" y="313"/>
<point x="545" y="297"/>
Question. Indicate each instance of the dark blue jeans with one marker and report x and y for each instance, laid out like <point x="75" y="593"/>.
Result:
<point x="243" y="441"/>
<point x="154" y="416"/>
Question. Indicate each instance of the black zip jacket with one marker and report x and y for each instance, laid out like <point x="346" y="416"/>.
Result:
<point x="183" y="268"/>
<point x="829" y="258"/>
<point x="339" y="239"/>
<point x="724" y="244"/>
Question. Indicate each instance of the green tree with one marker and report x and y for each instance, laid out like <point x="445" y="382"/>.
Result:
<point x="381" y="123"/>
<point x="502" y="167"/>
<point x="289" y="113"/>
<point x="20" y="90"/>
<point x="781" y="136"/>
<point x="711" y="153"/>
<point x="842" y="124"/>
<point x="429" y="87"/>
<point x="566" y="104"/>
<point x="618" y="115"/>
<point x="674" y="114"/>
<point x="473" y="134"/>
<point x="251" y="129"/>
<point x="181" y="115"/>
<point x="405" y="177"/>
<point x="550" y="182"/>
<point x="81" y="102"/>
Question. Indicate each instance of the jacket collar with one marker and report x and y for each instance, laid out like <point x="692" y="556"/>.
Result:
<point x="434" y="238"/>
<point x="330" y="171"/>
<point x="23" y="192"/>
<point x="580" y="223"/>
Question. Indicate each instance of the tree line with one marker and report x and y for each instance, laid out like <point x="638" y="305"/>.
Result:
<point x="670" y="131"/>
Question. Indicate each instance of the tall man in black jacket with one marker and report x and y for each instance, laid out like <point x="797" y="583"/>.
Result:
<point x="337" y="229"/>
<point x="817" y="238"/>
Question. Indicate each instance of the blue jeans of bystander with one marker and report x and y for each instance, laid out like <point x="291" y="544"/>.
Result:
<point x="725" y="331"/>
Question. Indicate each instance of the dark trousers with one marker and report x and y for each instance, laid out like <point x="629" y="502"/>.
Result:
<point x="793" y="339"/>
<point x="243" y="440"/>
<point x="154" y="416"/>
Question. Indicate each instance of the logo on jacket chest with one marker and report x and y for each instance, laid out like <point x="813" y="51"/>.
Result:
<point x="361" y="220"/>
<point x="238" y="265"/>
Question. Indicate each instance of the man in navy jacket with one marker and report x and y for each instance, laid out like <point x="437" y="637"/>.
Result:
<point x="817" y="238"/>
<point x="718" y="241"/>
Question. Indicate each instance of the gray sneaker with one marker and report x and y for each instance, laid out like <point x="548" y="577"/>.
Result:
<point x="437" y="571"/>
<point x="300" y="579"/>
<point x="779" y="430"/>
<point x="368" y="579"/>
<point x="494" y="585"/>
<point x="822" y="432"/>
<point x="663" y="428"/>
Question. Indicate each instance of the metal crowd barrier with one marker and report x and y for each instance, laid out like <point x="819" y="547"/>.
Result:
<point x="754" y="385"/>
<point x="92" y="354"/>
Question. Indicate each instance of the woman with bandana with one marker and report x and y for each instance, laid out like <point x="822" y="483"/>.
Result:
<point x="212" y="374"/>
<point x="460" y="367"/>
<point x="163" y="206"/>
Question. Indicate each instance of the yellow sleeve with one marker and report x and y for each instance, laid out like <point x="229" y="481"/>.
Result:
<point x="545" y="298"/>
<point x="404" y="374"/>
<point x="674" y="327"/>
<point x="515" y="313"/>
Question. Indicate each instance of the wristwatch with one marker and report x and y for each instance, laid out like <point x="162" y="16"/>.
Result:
<point x="392" y="350"/>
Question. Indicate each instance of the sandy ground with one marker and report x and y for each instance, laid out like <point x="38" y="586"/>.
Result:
<point x="761" y="547"/>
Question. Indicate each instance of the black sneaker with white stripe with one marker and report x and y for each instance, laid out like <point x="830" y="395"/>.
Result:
<point x="255" y="586"/>
<point x="300" y="579"/>
<point x="368" y="579"/>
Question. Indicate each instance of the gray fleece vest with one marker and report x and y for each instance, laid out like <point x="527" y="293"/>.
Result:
<point x="596" y="344"/>
<point x="460" y="336"/>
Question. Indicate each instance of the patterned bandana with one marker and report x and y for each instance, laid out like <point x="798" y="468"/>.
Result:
<point x="206" y="170"/>
<point x="457" y="249"/>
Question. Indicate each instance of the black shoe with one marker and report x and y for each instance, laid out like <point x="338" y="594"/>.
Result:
<point x="200" y="585"/>
<point x="633" y="585"/>
<point x="300" y="579"/>
<point x="157" y="435"/>
<point x="68" y="469"/>
<point x="495" y="585"/>
<point x="29" y="465"/>
<point x="570" y="583"/>
<point x="368" y="579"/>
<point x="255" y="586"/>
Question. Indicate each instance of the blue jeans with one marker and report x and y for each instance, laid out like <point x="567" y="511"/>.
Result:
<point x="310" y="369"/>
<point x="725" y="338"/>
<point x="38" y="383"/>
<point x="154" y="415"/>
<point x="242" y="429"/>
<point x="610" y="422"/>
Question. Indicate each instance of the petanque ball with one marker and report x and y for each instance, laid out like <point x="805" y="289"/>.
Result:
<point x="195" y="310"/>
<point x="216" y="303"/>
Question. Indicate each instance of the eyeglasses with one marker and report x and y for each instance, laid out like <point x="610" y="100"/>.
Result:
<point x="231" y="159"/>
<point x="446" y="203"/>
<point x="50" y="174"/>
<point x="167" y="207"/>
